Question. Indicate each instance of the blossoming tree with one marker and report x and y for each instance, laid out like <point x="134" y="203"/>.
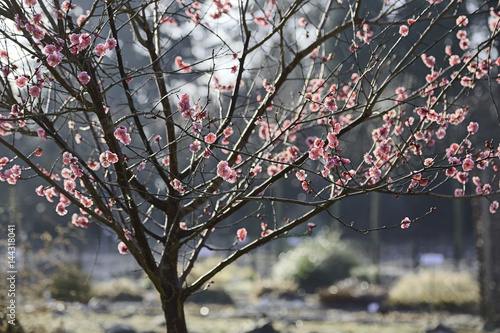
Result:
<point x="177" y="120"/>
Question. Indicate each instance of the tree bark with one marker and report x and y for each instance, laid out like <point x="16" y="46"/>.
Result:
<point x="171" y="293"/>
<point x="173" y="309"/>
<point x="487" y="227"/>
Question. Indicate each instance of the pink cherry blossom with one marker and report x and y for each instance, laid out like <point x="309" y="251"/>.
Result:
<point x="61" y="209"/>
<point x="81" y="19"/>
<point x="122" y="248"/>
<point x="472" y="128"/>
<point x="228" y="132"/>
<point x="374" y="173"/>
<point x="103" y="158"/>
<point x="66" y="6"/>
<point x="461" y="34"/>
<point x="100" y="49"/>
<point x="405" y="223"/>
<point x="74" y="39"/>
<point x="182" y="65"/>
<point x="111" y="157"/>
<point x="41" y="133"/>
<point x="210" y="138"/>
<point x="40" y="190"/>
<point x="493" y="207"/>
<point x="54" y="59"/>
<point x="454" y="60"/>
<point x="486" y="189"/>
<point x="34" y="91"/>
<point x="316" y="152"/>
<point x="332" y="140"/>
<point x="83" y="77"/>
<point x="122" y="135"/>
<point x="69" y="185"/>
<point x="255" y="170"/>
<point x="177" y="185"/>
<point x="69" y="158"/>
<point x="30" y="3"/>
<point x="185" y="107"/>
<point x="462" y="177"/>
<point x="241" y="234"/>
<point x="4" y="160"/>
<point x="77" y="172"/>
<point x="21" y="82"/>
<point x="462" y="21"/>
<point x="464" y="44"/>
<point x="429" y="61"/>
<point x="468" y="164"/>
<point x="80" y="221"/>
<point x="195" y="146"/>
<point x="111" y="43"/>
<point x="12" y="175"/>
<point x="207" y="153"/>
<point x="169" y="20"/>
<point x="404" y="30"/>
<point x="301" y="175"/>
<point x="428" y="161"/>
<point x="84" y="40"/>
<point x="232" y="177"/>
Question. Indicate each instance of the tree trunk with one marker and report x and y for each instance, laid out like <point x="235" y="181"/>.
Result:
<point x="488" y="250"/>
<point x="458" y="231"/>
<point x="171" y="292"/>
<point x="173" y="309"/>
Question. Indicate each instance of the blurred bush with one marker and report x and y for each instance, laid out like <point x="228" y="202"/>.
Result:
<point x="443" y="290"/>
<point x="351" y="292"/>
<point x="5" y="327"/>
<point x="368" y="273"/>
<point x="281" y="290"/>
<point x="318" y="261"/>
<point x="119" y="290"/>
<point x="211" y="296"/>
<point x="70" y="284"/>
<point x="230" y="274"/>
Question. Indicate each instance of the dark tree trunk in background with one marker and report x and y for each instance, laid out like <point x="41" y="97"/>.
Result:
<point x="487" y="227"/>
<point x="374" y="219"/>
<point x="458" y="231"/>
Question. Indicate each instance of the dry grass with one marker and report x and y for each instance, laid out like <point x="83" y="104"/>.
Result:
<point x="121" y="289"/>
<point x="218" y="321"/>
<point x="443" y="290"/>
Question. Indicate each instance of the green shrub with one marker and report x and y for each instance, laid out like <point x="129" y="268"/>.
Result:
<point x="70" y="284"/>
<point x="368" y="273"/>
<point x="444" y="290"/>
<point x="318" y="262"/>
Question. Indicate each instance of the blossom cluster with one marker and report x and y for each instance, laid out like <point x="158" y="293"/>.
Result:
<point x="305" y="135"/>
